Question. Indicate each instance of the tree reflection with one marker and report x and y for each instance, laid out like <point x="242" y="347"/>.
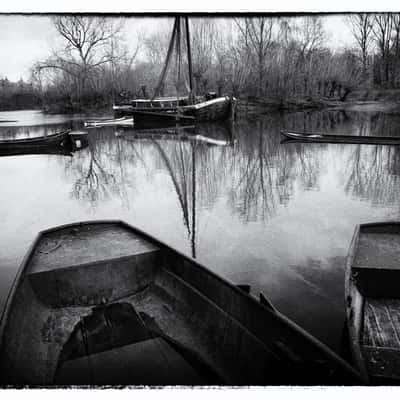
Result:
<point x="374" y="171"/>
<point x="100" y="172"/>
<point x="374" y="174"/>
<point x="193" y="168"/>
<point x="264" y="171"/>
<point x="253" y="177"/>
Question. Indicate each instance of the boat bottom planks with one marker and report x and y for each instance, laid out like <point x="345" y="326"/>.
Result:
<point x="99" y="303"/>
<point x="373" y="301"/>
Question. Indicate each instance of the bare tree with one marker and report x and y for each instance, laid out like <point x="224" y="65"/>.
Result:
<point x="257" y="36"/>
<point x="396" y="48"/>
<point x="85" y="48"/>
<point x="310" y="36"/>
<point x="203" y="45"/>
<point x="361" y="28"/>
<point x="382" y="31"/>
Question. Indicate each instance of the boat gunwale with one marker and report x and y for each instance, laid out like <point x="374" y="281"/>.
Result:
<point x="351" y="285"/>
<point x="354" y="327"/>
<point x="170" y="110"/>
<point x="329" y="354"/>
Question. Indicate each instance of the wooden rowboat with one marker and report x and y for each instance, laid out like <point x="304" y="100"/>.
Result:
<point x="349" y="139"/>
<point x="35" y="151"/>
<point x="62" y="143"/>
<point x="60" y="139"/>
<point x="373" y="301"/>
<point x="104" y="303"/>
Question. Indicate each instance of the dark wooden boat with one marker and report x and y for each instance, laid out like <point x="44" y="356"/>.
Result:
<point x="104" y="303"/>
<point x="61" y="143"/>
<point x="154" y="114"/>
<point x="153" y="119"/>
<point x="349" y="139"/>
<point x="163" y="110"/>
<point x="35" y="151"/>
<point x="60" y="139"/>
<point x="373" y="301"/>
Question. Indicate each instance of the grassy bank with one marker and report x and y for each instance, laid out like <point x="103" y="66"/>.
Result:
<point x="358" y="100"/>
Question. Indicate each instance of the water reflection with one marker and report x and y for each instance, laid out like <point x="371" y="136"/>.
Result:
<point x="373" y="174"/>
<point x="278" y="217"/>
<point x="189" y="157"/>
<point x="256" y="173"/>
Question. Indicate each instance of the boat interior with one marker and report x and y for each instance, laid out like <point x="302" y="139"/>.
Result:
<point x="376" y="275"/>
<point x="129" y="311"/>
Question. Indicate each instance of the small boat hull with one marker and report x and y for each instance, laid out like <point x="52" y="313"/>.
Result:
<point x="373" y="301"/>
<point x="346" y="139"/>
<point x="62" y="143"/>
<point x="104" y="303"/>
<point x="60" y="139"/>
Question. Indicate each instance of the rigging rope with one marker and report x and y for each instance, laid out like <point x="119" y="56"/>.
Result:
<point x="167" y="60"/>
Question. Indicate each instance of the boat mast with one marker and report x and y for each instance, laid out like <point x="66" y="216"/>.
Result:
<point x="167" y="60"/>
<point x="176" y="36"/>
<point x="189" y="54"/>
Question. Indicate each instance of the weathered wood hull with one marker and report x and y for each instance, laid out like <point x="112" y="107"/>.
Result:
<point x="373" y="301"/>
<point x="35" y="151"/>
<point x="346" y="139"/>
<point x="147" y="119"/>
<point x="211" y="110"/>
<point x="103" y="303"/>
<point x="60" y="139"/>
<point x="63" y="143"/>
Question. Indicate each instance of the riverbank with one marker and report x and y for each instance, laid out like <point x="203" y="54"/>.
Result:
<point x="387" y="100"/>
<point x="362" y="100"/>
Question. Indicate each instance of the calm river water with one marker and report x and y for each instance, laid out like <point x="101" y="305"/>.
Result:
<point x="279" y="217"/>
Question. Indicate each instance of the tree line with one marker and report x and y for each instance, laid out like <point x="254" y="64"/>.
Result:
<point x="18" y="95"/>
<point x="274" y="59"/>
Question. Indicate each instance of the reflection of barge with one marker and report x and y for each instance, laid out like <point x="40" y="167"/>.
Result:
<point x="104" y="303"/>
<point x="191" y="133"/>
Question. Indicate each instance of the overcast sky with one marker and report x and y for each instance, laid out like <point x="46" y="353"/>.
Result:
<point x="27" y="39"/>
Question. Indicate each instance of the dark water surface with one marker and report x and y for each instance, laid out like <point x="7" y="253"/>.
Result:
<point x="278" y="217"/>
